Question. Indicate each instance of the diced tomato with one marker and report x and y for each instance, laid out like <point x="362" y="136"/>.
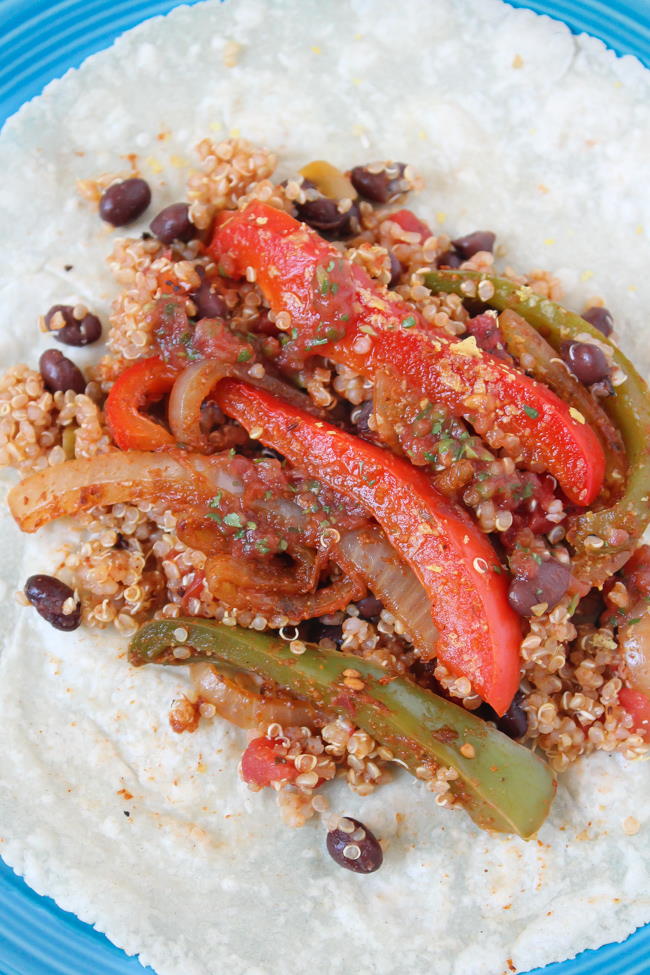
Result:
<point x="412" y="224"/>
<point x="194" y="590"/>
<point x="264" y="762"/>
<point x="172" y="329"/>
<point x="638" y="705"/>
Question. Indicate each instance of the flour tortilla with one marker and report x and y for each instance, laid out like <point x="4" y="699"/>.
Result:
<point x="517" y="126"/>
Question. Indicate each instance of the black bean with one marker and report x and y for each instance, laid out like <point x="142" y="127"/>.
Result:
<point x="124" y="202"/>
<point x="449" y="259"/>
<point x="351" y="224"/>
<point x="423" y="672"/>
<point x="76" y="331"/>
<point x="324" y="216"/>
<point x="514" y="723"/>
<point x="173" y="223"/>
<point x="600" y="318"/>
<point x="589" y="609"/>
<point x="209" y="304"/>
<point x="548" y="586"/>
<point x="313" y="631"/>
<point x="60" y="373"/>
<point x="355" y="849"/>
<point x="321" y="214"/>
<point x="381" y="187"/>
<point x="306" y="184"/>
<point x="587" y="362"/>
<point x="48" y="594"/>
<point x="369" y="608"/>
<point x="479" y="240"/>
<point x="360" y="417"/>
<point x="330" y="631"/>
<point x="396" y="270"/>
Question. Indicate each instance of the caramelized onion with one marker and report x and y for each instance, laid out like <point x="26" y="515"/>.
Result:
<point x="388" y="408"/>
<point x="370" y="554"/>
<point x="176" y="479"/>
<point x="235" y="699"/>
<point x="268" y="601"/>
<point x="302" y="576"/>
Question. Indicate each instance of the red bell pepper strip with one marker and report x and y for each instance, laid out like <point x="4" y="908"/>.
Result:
<point x="638" y="705"/>
<point x="336" y="310"/>
<point x="478" y="632"/>
<point x="142" y="383"/>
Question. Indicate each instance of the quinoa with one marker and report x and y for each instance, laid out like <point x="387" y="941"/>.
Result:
<point x="40" y="429"/>
<point x="145" y="270"/>
<point x="227" y="171"/>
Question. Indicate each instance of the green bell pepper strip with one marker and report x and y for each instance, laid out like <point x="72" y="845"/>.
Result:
<point x="503" y="787"/>
<point x="619" y="526"/>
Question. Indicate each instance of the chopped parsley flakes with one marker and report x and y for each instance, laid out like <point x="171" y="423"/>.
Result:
<point x="233" y="519"/>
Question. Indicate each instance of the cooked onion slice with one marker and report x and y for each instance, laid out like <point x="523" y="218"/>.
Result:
<point x="244" y="706"/>
<point x="176" y="479"/>
<point x="300" y="577"/>
<point x="369" y="553"/>
<point x="223" y="576"/>
<point x="187" y="395"/>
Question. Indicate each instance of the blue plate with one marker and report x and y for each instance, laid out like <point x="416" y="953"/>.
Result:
<point x="39" y="42"/>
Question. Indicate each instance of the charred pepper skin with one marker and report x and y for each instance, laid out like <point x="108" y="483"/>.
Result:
<point x="503" y="786"/>
<point x="336" y="310"/>
<point x="620" y="525"/>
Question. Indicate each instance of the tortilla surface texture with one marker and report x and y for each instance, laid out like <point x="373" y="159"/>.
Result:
<point x="517" y="127"/>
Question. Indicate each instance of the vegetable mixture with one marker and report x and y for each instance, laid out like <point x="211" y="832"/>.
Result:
<point x="384" y="502"/>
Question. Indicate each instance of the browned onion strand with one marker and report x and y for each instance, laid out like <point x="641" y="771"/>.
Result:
<point x="246" y="708"/>
<point x="271" y="603"/>
<point x="393" y="582"/>
<point x="176" y="479"/>
<point x="185" y="400"/>
<point x="300" y="577"/>
<point x="387" y="409"/>
<point x="196" y="530"/>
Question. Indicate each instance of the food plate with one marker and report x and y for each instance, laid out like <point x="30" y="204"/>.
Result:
<point x="36" y="46"/>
